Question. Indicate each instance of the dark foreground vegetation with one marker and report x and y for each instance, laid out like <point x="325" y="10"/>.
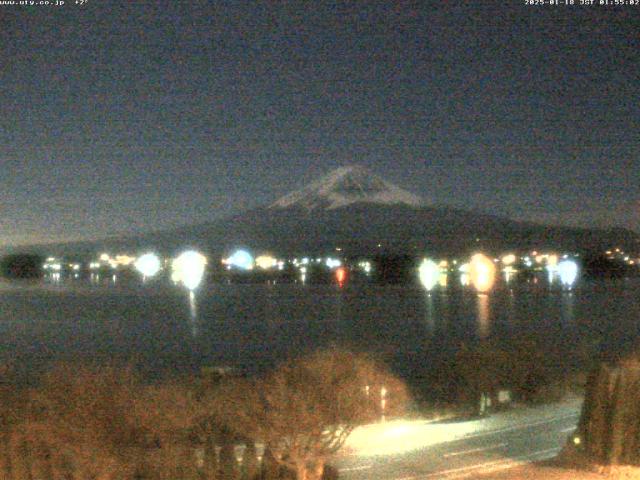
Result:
<point x="609" y="428"/>
<point x="21" y="266"/>
<point x="105" y="423"/>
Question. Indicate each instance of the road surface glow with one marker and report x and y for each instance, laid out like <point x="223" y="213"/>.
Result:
<point x="489" y="467"/>
<point x="419" y="449"/>
<point x="475" y="450"/>
<point x="400" y="436"/>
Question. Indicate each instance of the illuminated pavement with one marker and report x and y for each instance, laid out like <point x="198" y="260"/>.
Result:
<point x="421" y="450"/>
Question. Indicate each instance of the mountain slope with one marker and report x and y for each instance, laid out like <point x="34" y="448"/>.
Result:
<point x="346" y="186"/>
<point x="362" y="214"/>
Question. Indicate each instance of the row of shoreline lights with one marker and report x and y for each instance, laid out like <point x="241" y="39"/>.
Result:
<point x="188" y="268"/>
<point x="243" y="260"/>
<point x="482" y="272"/>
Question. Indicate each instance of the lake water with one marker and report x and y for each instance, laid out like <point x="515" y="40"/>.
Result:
<point x="252" y="326"/>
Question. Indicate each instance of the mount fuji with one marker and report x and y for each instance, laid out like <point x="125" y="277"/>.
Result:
<point x="346" y="186"/>
<point x="361" y="213"/>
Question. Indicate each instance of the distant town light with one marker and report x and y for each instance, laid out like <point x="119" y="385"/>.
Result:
<point x="148" y="264"/>
<point x="482" y="272"/>
<point x="332" y="262"/>
<point x="509" y="272"/>
<point x="365" y="266"/>
<point x="189" y="268"/>
<point x="509" y="259"/>
<point x="241" y="259"/>
<point x="124" y="260"/>
<point x="429" y="272"/>
<point x="568" y="271"/>
<point x="266" y="262"/>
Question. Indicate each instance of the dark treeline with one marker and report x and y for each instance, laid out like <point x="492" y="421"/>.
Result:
<point x="21" y="266"/>
<point x="600" y="266"/>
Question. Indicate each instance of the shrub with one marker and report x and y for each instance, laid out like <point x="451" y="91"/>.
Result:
<point x="306" y="408"/>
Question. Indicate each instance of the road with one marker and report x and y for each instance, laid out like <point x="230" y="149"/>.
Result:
<point x="421" y="450"/>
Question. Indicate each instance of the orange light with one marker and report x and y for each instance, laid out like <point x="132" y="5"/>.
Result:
<point x="482" y="272"/>
<point x="341" y="275"/>
<point x="509" y="259"/>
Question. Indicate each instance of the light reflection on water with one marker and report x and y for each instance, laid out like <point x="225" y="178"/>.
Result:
<point x="568" y="308"/>
<point x="430" y="314"/>
<point x="254" y="325"/>
<point x="193" y="314"/>
<point x="484" y="322"/>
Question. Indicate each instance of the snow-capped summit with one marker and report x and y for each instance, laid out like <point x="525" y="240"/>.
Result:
<point x="347" y="185"/>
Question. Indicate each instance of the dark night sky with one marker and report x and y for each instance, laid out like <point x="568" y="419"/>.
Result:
<point x="125" y="116"/>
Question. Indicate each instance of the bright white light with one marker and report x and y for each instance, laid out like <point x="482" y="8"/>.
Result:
<point x="429" y="274"/>
<point x="148" y="264"/>
<point x="568" y="271"/>
<point x="188" y="269"/>
<point x="397" y="437"/>
<point x="332" y="262"/>
<point x="241" y="259"/>
<point x="509" y="272"/>
<point x="365" y="266"/>
<point x="482" y="272"/>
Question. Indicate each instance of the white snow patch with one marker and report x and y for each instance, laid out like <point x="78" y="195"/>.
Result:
<point x="345" y="186"/>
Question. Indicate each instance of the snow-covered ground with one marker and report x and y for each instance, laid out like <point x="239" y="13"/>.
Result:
<point x="419" y="449"/>
<point x="401" y="436"/>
